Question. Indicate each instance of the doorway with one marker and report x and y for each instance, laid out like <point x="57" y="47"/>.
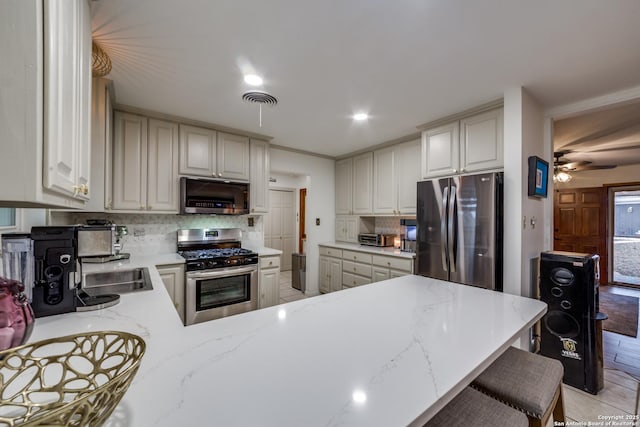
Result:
<point x="280" y="224"/>
<point x="624" y="236"/>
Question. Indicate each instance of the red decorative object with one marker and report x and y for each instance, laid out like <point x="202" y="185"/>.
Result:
<point x="16" y="315"/>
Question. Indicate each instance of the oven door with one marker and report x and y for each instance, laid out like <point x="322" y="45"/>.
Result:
<point x="213" y="294"/>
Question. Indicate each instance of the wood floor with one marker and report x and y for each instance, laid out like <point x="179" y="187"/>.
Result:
<point x="622" y="352"/>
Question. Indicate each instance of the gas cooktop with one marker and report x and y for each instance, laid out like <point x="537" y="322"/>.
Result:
<point x="204" y="254"/>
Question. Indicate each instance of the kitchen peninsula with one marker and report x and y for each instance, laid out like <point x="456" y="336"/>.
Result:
<point x="390" y="353"/>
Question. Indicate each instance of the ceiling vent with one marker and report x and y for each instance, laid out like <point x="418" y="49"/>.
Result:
<point x="261" y="97"/>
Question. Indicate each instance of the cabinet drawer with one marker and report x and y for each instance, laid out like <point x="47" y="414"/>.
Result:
<point x="396" y="273"/>
<point x="350" y="280"/>
<point x="324" y="250"/>
<point x="269" y="262"/>
<point x="357" y="268"/>
<point x="396" y="263"/>
<point x="357" y="256"/>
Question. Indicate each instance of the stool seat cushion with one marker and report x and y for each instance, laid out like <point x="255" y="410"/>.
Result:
<point x="523" y="380"/>
<point x="472" y="408"/>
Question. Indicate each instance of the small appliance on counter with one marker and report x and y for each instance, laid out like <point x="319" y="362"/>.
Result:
<point x="373" y="239"/>
<point x="408" y="238"/>
<point x="55" y="258"/>
<point x="17" y="260"/>
<point x="98" y="243"/>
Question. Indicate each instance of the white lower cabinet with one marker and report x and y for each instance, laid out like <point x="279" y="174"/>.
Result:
<point x="330" y="270"/>
<point x="173" y="278"/>
<point x="269" y="281"/>
<point x="358" y="267"/>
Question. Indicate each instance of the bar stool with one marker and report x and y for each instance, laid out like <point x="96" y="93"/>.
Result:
<point x="473" y="408"/>
<point x="525" y="381"/>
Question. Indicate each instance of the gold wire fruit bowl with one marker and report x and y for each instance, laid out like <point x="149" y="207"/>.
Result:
<point x="76" y="380"/>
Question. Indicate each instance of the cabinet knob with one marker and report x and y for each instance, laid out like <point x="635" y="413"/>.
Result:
<point x="389" y="264"/>
<point x="219" y="173"/>
<point x="354" y="257"/>
<point x="141" y="208"/>
<point x="354" y="282"/>
<point x="253" y="210"/>
<point x="455" y="170"/>
<point x="463" y="169"/>
<point x="270" y="262"/>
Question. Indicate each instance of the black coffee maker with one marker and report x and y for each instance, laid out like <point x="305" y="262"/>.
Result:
<point x="54" y="250"/>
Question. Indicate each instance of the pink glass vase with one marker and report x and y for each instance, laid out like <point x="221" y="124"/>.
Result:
<point x="16" y="315"/>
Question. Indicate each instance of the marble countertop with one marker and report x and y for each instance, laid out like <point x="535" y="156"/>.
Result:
<point x="389" y="353"/>
<point x="264" y="251"/>
<point x="371" y="249"/>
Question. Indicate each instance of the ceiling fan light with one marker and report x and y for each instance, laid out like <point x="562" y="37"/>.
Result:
<point x="562" y="177"/>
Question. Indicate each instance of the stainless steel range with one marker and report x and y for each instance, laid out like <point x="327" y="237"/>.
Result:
<point x="221" y="276"/>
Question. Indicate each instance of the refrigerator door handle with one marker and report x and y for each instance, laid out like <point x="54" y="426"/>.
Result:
<point x="450" y="234"/>
<point x="443" y="227"/>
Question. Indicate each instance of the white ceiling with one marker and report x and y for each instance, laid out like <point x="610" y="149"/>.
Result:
<point x="406" y="62"/>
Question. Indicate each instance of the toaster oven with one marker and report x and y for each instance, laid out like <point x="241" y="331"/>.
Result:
<point x="374" y="239"/>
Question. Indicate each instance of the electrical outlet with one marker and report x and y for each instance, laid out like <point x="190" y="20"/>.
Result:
<point x="250" y="221"/>
<point x="138" y="232"/>
<point x="317" y="221"/>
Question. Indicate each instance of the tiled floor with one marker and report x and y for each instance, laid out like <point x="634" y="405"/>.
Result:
<point x="621" y="390"/>
<point x="287" y="293"/>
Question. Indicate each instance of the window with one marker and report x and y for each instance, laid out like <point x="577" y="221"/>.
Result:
<point x="7" y="218"/>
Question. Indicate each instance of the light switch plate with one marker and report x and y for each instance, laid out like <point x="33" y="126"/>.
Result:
<point x="317" y="221"/>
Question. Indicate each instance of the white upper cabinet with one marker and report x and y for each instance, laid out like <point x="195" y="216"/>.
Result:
<point x="344" y="186"/>
<point x="205" y="152"/>
<point x="385" y="183"/>
<point x="197" y="151"/>
<point x="101" y="145"/>
<point x="67" y="97"/>
<point x="440" y="149"/>
<point x="259" y="176"/>
<point x="233" y="156"/>
<point x="395" y="174"/>
<point x="145" y="164"/>
<point x="45" y="81"/>
<point x="362" y="184"/>
<point x="481" y="144"/>
<point x="472" y="144"/>
<point x="162" y="166"/>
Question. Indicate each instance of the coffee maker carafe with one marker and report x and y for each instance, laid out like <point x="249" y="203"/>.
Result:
<point x="54" y="250"/>
<point x="17" y="260"/>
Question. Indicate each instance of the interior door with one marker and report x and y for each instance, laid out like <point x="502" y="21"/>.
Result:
<point x="580" y="223"/>
<point x="282" y="227"/>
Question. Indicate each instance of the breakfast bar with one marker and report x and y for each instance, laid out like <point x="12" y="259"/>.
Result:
<point x="389" y="353"/>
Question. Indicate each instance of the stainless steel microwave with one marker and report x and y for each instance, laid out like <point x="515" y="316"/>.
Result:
<point x="210" y="196"/>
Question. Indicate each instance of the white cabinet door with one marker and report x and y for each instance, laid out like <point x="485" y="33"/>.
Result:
<point x="408" y="172"/>
<point x="197" y="151"/>
<point x="362" y="184"/>
<point x="385" y="185"/>
<point x="67" y="97"/>
<point x="344" y="186"/>
<point x="324" y="279"/>
<point x="162" y="166"/>
<point x="481" y="141"/>
<point x="440" y="151"/>
<point x="351" y="225"/>
<point x="100" y="146"/>
<point x="173" y="279"/>
<point x="335" y="273"/>
<point x="259" y="176"/>
<point x="129" y="162"/>
<point x="379" y="273"/>
<point x="341" y="229"/>
<point x="233" y="156"/>
<point x="269" y="285"/>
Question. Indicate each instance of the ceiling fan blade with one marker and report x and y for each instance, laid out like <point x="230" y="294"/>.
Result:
<point x="624" y="148"/>
<point x="569" y="165"/>
<point x="593" y="167"/>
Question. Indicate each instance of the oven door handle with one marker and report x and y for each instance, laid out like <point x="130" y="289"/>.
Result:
<point x="210" y="274"/>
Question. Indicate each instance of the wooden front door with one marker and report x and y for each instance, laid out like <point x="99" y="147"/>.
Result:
<point x="580" y="223"/>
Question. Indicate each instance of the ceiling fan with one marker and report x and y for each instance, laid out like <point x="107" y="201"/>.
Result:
<point x="562" y="166"/>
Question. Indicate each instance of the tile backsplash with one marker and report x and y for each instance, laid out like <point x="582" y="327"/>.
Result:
<point x="156" y="233"/>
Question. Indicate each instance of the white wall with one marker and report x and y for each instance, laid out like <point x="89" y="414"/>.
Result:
<point x="320" y="202"/>
<point x="597" y="178"/>
<point x="523" y="137"/>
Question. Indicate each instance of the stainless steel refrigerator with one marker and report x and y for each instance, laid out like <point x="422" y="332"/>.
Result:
<point x="459" y="229"/>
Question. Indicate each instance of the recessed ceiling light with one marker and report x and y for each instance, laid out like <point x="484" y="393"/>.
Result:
<point x="359" y="117"/>
<point x="253" y="80"/>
